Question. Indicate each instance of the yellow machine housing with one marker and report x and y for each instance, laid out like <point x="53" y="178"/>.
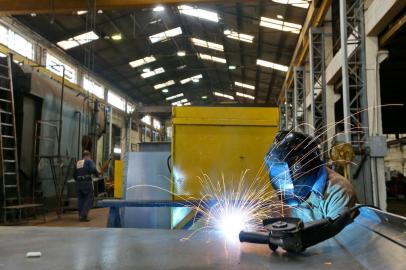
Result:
<point x="219" y="141"/>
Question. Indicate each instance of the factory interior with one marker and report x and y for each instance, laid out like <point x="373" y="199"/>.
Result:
<point x="152" y="134"/>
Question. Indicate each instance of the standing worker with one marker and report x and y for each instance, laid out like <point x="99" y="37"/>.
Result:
<point x="84" y="183"/>
<point x="297" y="171"/>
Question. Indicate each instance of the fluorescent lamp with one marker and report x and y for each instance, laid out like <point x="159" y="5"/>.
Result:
<point x="245" y="95"/>
<point x="181" y="53"/>
<point x="116" y="36"/>
<point x="280" y="25"/>
<point x="187" y="104"/>
<point x="163" y="36"/>
<point x="239" y="36"/>
<point x="204" y="97"/>
<point x="165" y="84"/>
<point x="223" y="95"/>
<point x="158" y="8"/>
<point x="180" y="102"/>
<point x="100" y="11"/>
<point x="81" y="12"/>
<point x="165" y="90"/>
<point x="181" y="67"/>
<point x="117" y="150"/>
<point x="232" y="67"/>
<point x="279" y="17"/>
<point x="78" y="40"/>
<point x="207" y="44"/>
<point x="212" y="58"/>
<point x="199" y="13"/>
<point x="142" y="61"/>
<point x="272" y="65"/>
<point x="175" y="96"/>
<point x="196" y="77"/>
<point x="296" y="3"/>
<point x="153" y="72"/>
<point x="244" y="85"/>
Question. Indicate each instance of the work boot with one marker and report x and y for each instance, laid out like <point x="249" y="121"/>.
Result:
<point x="84" y="219"/>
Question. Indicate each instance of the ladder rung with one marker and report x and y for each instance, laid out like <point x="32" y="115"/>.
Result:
<point x="6" y="124"/>
<point x="9" y="160"/>
<point x="4" y="77"/>
<point x="5" y="66"/>
<point x="7" y="136"/>
<point x="5" y="112"/>
<point x="10" y="186"/>
<point x="8" y="148"/>
<point x="4" y="88"/>
<point x="11" y="198"/>
<point x="5" y="100"/>
<point x="9" y="173"/>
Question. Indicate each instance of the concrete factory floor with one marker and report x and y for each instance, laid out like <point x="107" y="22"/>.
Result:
<point x="98" y="219"/>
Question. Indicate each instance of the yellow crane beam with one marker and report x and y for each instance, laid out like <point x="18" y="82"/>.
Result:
<point x="12" y="7"/>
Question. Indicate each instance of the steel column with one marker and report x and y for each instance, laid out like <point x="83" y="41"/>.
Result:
<point x="318" y="83"/>
<point x="299" y="100"/>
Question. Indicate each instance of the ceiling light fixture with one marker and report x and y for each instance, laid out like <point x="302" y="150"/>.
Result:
<point x="223" y="95"/>
<point x="238" y="36"/>
<point x="245" y="95"/>
<point x="116" y="36"/>
<point x="199" y="13"/>
<point x="142" y="61"/>
<point x="280" y="25"/>
<point x="244" y="85"/>
<point x="279" y="17"/>
<point x="165" y="84"/>
<point x="181" y="53"/>
<point x="164" y="36"/>
<point x="204" y="97"/>
<point x="272" y="65"/>
<point x="78" y="40"/>
<point x="165" y="90"/>
<point x="175" y="96"/>
<point x="212" y="58"/>
<point x="207" y="44"/>
<point x="193" y="78"/>
<point x="153" y="72"/>
<point x="296" y="3"/>
<point x="159" y="8"/>
<point x="81" y="12"/>
<point x="232" y="67"/>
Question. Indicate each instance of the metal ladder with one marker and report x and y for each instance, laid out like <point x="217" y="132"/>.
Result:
<point x="8" y="141"/>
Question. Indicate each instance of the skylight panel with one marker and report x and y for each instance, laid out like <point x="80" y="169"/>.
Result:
<point x="245" y="95"/>
<point x="175" y="96"/>
<point x="244" y="85"/>
<point x="78" y="40"/>
<point x="142" y="61"/>
<point x="223" y="95"/>
<point x="199" y="13"/>
<point x="163" y="36"/>
<point x="296" y="3"/>
<point x="272" y="65"/>
<point x="193" y="78"/>
<point x="280" y="25"/>
<point x="207" y="44"/>
<point x="165" y="84"/>
<point x="239" y="36"/>
<point x="153" y="72"/>
<point x="212" y="58"/>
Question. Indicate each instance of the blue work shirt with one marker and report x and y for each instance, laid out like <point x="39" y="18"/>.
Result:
<point x="337" y="194"/>
<point x="84" y="168"/>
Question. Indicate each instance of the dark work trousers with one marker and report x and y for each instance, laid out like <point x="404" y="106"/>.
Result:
<point x="85" y="197"/>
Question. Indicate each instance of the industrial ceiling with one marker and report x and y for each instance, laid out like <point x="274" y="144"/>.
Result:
<point x="227" y="60"/>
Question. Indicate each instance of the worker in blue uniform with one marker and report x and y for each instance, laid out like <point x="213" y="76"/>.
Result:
<point x="84" y="170"/>
<point x="305" y="183"/>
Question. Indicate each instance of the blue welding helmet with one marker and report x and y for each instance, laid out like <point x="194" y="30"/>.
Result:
<point x="295" y="166"/>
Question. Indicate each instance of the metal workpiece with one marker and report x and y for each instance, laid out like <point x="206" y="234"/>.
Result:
<point x="375" y="240"/>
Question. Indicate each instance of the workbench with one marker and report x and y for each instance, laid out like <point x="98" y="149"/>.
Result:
<point x="365" y="244"/>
